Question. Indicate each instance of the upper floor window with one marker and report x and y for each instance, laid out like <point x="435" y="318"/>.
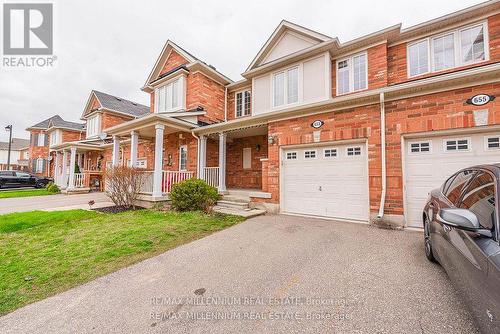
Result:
<point x="55" y="137"/>
<point x="352" y="74"/>
<point x="169" y="97"/>
<point x="41" y="139"/>
<point x="93" y="126"/>
<point x="452" y="49"/>
<point x="243" y="103"/>
<point x="286" y="87"/>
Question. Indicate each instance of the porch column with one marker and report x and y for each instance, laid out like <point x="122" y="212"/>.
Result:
<point x="222" y="162"/>
<point x="158" y="171"/>
<point x="72" y="163"/>
<point x="115" y="161"/>
<point x="57" y="175"/>
<point x="203" y="157"/>
<point x="134" y="141"/>
<point x="64" y="183"/>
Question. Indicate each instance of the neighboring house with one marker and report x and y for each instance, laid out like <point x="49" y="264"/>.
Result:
<point x="18" y="154"/>
<point x="353" y="130"/>
<point x="48" y="133"/>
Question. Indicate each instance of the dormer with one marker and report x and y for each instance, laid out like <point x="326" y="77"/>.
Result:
<point x="179" y="82"/>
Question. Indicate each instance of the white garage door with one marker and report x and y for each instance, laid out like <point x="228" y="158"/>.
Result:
<point x="430" y="161"/>
<point x="329" y="181"/>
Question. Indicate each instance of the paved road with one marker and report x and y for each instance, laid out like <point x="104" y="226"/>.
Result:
<point x="366" y="280"/>
<point x="60" y="201"/>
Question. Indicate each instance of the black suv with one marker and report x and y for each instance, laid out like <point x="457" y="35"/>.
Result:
<point x="13" y="179"/>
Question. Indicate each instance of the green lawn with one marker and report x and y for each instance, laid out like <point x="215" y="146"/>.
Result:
<point x="24" y="193"/>
<point x="43" y="253"/>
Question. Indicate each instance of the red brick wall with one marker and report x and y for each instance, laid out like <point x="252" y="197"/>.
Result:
<point x="397" y="65"/>
<point x="213" y="153"/>
<point x="72" y="135"/>
<point x="236" y="175"/>
<point x="231" y="113"/>
<point x="35" y="151"/>
<point x="202" y="91"/>
<point x="174" y="60"/>
<point x="109" y="119"/>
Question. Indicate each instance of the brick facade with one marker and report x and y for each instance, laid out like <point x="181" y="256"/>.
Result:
<point x="236" y="175"/>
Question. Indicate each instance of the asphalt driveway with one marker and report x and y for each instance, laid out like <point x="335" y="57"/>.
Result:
<point x="270" y="274"/>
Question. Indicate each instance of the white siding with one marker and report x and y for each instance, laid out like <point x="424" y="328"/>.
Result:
<point x="315" y="79"/>
<point x="261" y="95"/>
<point x="288" y="44"/>
<point x="14" y="156"/>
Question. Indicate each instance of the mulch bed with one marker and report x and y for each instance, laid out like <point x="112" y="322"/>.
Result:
<point x="116" y="209"/>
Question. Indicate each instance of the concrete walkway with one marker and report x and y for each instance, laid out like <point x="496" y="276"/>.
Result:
<point x="270" y="274"/>
<point x="53" y="202"/>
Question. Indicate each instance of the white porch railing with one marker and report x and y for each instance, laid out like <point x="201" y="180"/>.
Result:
<point x="168" y="180"/>
<point x="212" y="176"/>
<point x="79" y="180"/>
<point x="147" y="182"/>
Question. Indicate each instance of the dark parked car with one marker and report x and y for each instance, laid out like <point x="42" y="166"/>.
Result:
<point x="11" y="179"/>
<point x="461" y="232"/>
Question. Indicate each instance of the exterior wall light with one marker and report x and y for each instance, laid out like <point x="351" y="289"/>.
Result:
<point x="270" y="140"/>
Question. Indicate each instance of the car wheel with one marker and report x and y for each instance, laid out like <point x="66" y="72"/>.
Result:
<point x="38" y="185"/>
<point x="427" y="241"/>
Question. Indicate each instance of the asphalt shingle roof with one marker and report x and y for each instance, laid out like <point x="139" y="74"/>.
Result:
<point x="16" y="145"/>
<point x="60" y="123"/>
<point x="121" y="105"/>
<point x="45" y="123"/>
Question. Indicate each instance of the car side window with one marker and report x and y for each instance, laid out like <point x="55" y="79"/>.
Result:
<point x="22" y="174"/>
<point x="479" y="198"/>
<point x="7" y="174"/>
<point x="454" y="190"/>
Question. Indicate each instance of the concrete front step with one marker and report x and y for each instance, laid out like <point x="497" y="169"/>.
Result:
<point x="248" y="213"/>
<point x="236" y="198"/>
<point x="233" y="204"/>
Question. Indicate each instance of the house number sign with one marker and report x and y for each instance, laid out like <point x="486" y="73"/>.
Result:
<point x="480" y="99"/>
<point x="317" y="124"/>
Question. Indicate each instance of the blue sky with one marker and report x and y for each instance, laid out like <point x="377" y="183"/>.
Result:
<point x="112" y="45"/>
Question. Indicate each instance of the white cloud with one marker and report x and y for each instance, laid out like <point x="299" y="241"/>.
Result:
<point x="112" y="45"/>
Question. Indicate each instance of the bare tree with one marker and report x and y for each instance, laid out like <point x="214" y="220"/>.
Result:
<point x="123" y="185"/>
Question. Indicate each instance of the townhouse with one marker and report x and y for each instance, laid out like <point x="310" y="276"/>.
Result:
<point x="358" y="130"/>
<point x="18" y="154"/>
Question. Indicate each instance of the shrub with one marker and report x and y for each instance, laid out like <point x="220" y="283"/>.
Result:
<point x="51" y="187"/>
<point x="193" y="195"/>
<point x="123" y="185"/>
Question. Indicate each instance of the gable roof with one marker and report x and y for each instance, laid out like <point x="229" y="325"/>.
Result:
<point x="17" y="144"/>
<point x="117" y="104"/>
<point x="192" y="62"/>
<point x="44" y="125"/>
<point x="60" y="123"/>
<point x="311" y="36"/>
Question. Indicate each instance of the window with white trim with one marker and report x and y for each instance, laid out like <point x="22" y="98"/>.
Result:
<point x="351" y="151"/>
<point x="55" y="137"/>
<point x="463" y="46"/>
<point x="456" y="145"/>
<point x="492" y="143"/>
<point x="169" y="96"/>
<point x="243" y="100"/>
<point x="286" y="87"/>
<point x="41" y="139"/>
<point x="291" y="156"/>
<point x="93" y="124"/>
<point x="352" y="74"/>
<point x="420" y="147"/>
<point x="183" y="158"/>
<point x="330" y="152"/>
<point x="39" y="165"/>
<point x="141" y="163"/>
<point x="310" y="154"/>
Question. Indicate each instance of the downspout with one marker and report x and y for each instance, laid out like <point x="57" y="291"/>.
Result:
<point x="197" y="155"/>
<point x="382" y="147"/>
<point x="225" y="104"/>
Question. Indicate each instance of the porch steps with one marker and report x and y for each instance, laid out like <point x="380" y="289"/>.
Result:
<point x="226" y="203"/>
<point x="237" y="203"/>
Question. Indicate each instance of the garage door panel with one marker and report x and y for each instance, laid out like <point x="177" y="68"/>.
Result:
<point x="326" y="186"/>
<point x="425" y="171"/>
